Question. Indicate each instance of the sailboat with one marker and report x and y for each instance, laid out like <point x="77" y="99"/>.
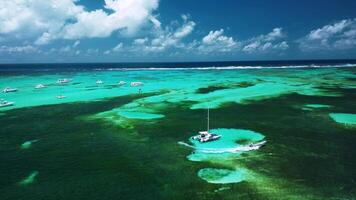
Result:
<point x="206" y="136"/>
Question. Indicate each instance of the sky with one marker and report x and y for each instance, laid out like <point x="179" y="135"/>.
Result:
<point x="36" y="31"/>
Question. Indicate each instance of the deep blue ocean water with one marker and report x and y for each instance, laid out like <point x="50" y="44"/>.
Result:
<point x="169" y="65"/>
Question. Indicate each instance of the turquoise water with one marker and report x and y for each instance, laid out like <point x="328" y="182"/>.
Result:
<point x="344" y="118"/>
<point x="107" y="141"/>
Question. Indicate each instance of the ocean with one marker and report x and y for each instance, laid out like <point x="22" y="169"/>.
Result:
<point x="124" y="130"/>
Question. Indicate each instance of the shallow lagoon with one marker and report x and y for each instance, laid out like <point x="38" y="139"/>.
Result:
<point x="108" y="141"/>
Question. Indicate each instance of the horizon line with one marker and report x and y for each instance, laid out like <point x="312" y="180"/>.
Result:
<point x="168" y="62"/>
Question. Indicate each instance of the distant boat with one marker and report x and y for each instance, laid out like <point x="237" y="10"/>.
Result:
<point x="40" y="86"/>
<point x="8" y="89"/>
<point x="99" y="82"/>
<point x="60" y="97"/>
<point x="206" y="136"/>
<point x="122" y="83"/>
<point x="4" y="103"/>
<point x="135" y="84"/>
<point x="62" y="81"/>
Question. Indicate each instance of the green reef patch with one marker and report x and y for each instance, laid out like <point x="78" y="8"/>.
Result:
<point x="27" y="144"/>
<point x="311" y="107"/>
<point x="139" y="115"/>
<point x="29" y="179"/>
<point x="210" y="88"/>
<point x="244" y="84"/>
<point x="317" y="106"/>
<point x="222" y="176"/>
<point x="344" y="118"/>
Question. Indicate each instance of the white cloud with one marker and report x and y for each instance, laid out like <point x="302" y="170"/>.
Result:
<point x="48" y="20"/>
<point x="64" y="49"/>
<point x="18" y="49"/>
<point x="165" y="38"/>
<point x="270" y="42"/>
<point x="76" y="43"/>
<point x="140" y="41"/>
<point x="118" y="47"/>
<point x="216" y="41"/>
<point x="340" y="35"/>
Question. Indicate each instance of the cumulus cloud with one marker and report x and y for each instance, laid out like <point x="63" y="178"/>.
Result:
<point x="118" y="47"/>
<point x="52" y="19"/>
<point x="76" y="43"/>
<point x="340" y="35"/>
<point x="165" y="38"/>
<point x="18" y="49"/>
<point x="216" y="41"/>
<point x="266" y="43"/>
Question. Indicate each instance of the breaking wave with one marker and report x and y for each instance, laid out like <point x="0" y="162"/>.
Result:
<point x="225" y="67"/>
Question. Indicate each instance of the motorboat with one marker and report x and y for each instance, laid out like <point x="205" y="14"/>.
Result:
<point x="40" y="86"/>
<point x="8" y="89"/>
<point x="206" y="136"/>
<point x="135" y="84"/>
<point x="99" y="82"/>
<point x="258" y="145"/>
<point x="62" y="81"/>
<point x="4" y="103"/>
<point x="60" y="97"/>
<point x="251" y="147"/>
<point x="122" y="83"/>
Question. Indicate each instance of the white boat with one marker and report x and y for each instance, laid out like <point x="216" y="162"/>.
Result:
<point x="8" y="89"/>
<point x="4" y="103"/>
<point x="62" y="81"/>
<point x="206" y="136"/>
<point x="99" y="82"/>
<point x="258" y="145"/>
<point x="135" y="84"/>
<point x="60" y="97"/>
<point x="122" y="83"/>
<point x="40" y="86"/>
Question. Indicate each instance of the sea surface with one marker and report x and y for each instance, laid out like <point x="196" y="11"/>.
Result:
<point x="116" y="141"/>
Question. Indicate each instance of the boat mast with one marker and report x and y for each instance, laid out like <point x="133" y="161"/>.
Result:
<point x="208" y="119"/>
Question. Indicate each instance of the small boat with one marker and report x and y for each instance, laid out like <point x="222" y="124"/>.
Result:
<point x="99" y="82"/>
<point x="206" y="136"/>
<point x="40" y="86"/>
<point x="122" y="83"/>
<point x="258" y="145"/>
<point x="60" y="97"/>
<point x="135" y="84"/>
<point x="8" y="89"/>
<point x="62" y="81"/>
<point x="4" y="103"/>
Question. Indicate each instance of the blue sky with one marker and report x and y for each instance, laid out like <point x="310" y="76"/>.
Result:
<point x="167" y="30"/>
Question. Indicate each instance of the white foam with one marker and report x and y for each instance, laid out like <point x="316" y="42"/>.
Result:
<point x="236" y="149"/>
<point x="225" y="67"/>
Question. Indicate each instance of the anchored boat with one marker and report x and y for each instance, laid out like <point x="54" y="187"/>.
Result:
<point x="122" y="83"/>
<point x="4" y="103"/>
<point x="40" y="86"/>
<point x="62" y="81"/>
<point x="206" y="136"/>
<point x="8" y="89"/>
<point x="135" y="84"/>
